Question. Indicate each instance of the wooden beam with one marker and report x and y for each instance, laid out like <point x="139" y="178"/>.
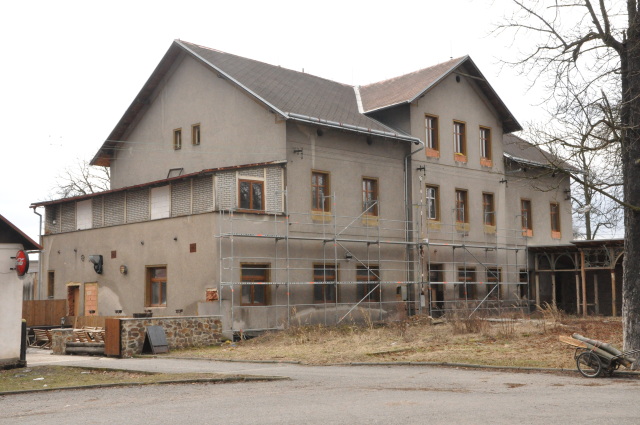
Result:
<point x="595" y="292"/>
<point x="583" y="275"/>
<point x="614" y="312"/>
<point x="577" y="293"/>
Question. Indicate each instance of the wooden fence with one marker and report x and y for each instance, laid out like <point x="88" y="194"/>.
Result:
<point x="78" y="322"/>
<point x="44" y="312"/>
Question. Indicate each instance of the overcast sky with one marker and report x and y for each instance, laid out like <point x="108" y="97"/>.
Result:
<point x="71" y="68"/>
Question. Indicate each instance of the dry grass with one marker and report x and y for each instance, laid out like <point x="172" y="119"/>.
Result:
<point x="508" y="341"/>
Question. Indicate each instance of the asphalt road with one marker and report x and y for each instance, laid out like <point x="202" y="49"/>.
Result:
<point x="332" y="395"/>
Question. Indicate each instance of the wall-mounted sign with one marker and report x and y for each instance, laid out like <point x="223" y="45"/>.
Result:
<point x="22" y="263"/>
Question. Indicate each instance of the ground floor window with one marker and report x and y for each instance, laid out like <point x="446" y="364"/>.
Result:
<point x="368" y="279"/>
<point x="256" y="294"/>
<point x="156" y="286"/>
<point x="466" y="285"/>
<point x="324" y="292"/>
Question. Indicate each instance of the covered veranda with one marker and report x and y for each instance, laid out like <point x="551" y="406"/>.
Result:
<point x="583" y="277"/>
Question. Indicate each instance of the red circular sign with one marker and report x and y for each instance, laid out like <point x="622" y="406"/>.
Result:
<point x="22" y="263"/>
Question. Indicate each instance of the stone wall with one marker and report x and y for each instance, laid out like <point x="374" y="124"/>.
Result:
<point x="181" y="332"/>
<point x="59" y="339"/>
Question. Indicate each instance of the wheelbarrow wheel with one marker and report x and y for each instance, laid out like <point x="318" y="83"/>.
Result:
<point x="589" y="364"/>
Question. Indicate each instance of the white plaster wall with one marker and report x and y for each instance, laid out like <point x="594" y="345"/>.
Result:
<point x="10" y="305"/>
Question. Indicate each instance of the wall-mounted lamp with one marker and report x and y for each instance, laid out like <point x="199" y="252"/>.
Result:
<point x="179" y="311"/>
<point x="96" y="260"/>
<point x="141" y="242"/>
<point x="348" y="256"/>
<point x="92" y="312"/>
<point x="118" y="311"/>
<point x="123" y="269"/>
<point x="567" y="194"/>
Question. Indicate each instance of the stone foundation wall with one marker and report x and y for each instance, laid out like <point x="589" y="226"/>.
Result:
<point x="59" y="338"/>
<point x="181" y="332"/>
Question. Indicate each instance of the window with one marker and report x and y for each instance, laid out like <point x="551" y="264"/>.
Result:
<point x="84" y="217"/>
<point x="368" y="279"/>
<point x="523" y="283"/>
<point x="525" y="213"/>
<point x="462" y="207"/>
<point x="467" y="289"/>
<point x="195" y="134"/>
<point x="324" y="292"/>
<point x="370" y="196"/>
<point x="160" y="202"/>
<point x="436" y="273"/>
<point x="255" y="294"/>
<point x="433" y="203"/>
<point x="554" y="211"/>
<point x="51" y="280"/>
<point x="485" y="144"/>
<point x="494" y="277"/>
<point x="156" y="287"/>
<point x="431" y="135"/>
<point x="488" y="209"/>
<point x="459" y="140"/>
<point x="177" y="139"/>
<point x="320" y="191"/>
<point x="251" y="195"/>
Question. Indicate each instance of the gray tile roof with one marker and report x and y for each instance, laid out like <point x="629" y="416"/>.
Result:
<point x="406" y="87"/>
<point x="520" y="150"/>
<point x="292" y="91"/>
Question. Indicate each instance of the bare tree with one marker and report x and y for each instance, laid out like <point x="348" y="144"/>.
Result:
<point x="587" y="53"/>
<point x="579" y="132"/>
<point x="81" y="179"/>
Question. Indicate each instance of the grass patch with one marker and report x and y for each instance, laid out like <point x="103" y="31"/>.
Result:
<point x="509" y="341"/>
<point x="51" y="377"/>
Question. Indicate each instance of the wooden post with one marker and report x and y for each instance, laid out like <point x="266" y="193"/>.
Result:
<point x="595" y="291"/>
<point x="614" y="313"/>
<point x="577" y="293"/>
<point x="537" y="277"/>
<point x="553" y="289"/>
<point x="583" y="275"/>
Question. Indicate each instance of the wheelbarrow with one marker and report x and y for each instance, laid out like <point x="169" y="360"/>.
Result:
<point x="595" y="358"/>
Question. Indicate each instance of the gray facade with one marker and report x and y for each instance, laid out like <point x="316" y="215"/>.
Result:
<point x="274" y="197"/>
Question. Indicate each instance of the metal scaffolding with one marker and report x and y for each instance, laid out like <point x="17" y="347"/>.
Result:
<point x="298" y="256"/>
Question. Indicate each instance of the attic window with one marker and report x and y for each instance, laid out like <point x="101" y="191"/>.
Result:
<point x="195" y="134"/>
<point x="177" y="139"/>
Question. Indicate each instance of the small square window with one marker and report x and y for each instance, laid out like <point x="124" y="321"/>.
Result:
<point x="177" y="139"/>
<point x="192" y="248"/>
<point x="195" y="134"/>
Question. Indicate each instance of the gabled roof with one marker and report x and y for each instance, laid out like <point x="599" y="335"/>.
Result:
<point x="519" y="150"/>
<point x="291" y="94"/>
<point x="409" y="87"/>
<point x="9" y="233"/>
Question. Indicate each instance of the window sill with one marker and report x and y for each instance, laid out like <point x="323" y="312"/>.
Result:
<point x="556" y="235"/>
<point x="462" y="227"/>
<point x="432" y="153"/>
<point x="486" y="162"/>
<point x="488" y="228"/>
<point x="370" y="220"/>
<point x="458" y="157"/>
<point x="321" y="216"/>
<point x="434" y="224"/>
<point x="527" y="233"/>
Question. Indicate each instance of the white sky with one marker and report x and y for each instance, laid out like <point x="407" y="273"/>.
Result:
<point x="71" y="68"/>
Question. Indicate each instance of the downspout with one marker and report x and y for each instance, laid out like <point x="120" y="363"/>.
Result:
<point x="39" y="253"/>
<point x="408" y="221"/>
